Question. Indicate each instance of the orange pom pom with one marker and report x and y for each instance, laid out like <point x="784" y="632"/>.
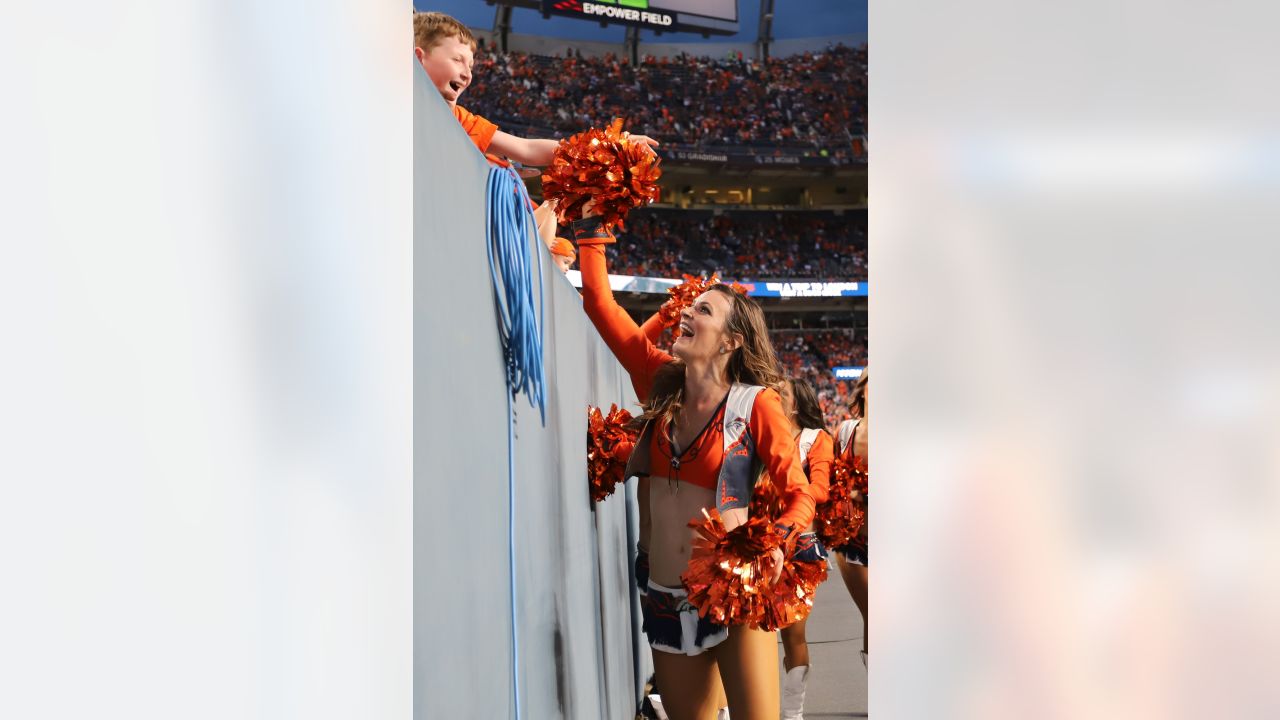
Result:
<point x="790" y="600"/>
<point x="609" y="445"/>
<point x="606" y="166"/>
<point x="840" y="519"/>
<point x="683" y="295"/>
<point x="726" y="578"/>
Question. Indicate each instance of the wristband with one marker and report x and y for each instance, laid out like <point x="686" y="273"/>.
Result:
<point x="783" y="532"/>
<point x="591" y="231"/>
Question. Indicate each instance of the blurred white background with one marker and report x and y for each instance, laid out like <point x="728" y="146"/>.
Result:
<point x="1073" y="212"/>
<point x="205" y="380"/>
<point x="205" y="383"/>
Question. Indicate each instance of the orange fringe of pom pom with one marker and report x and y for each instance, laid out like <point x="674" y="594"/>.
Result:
<point x="683" y="295"/>
<point x="840" y="519"/>
<point x="609" y="444"/>
<point x="606" y="166"/>
<point x="791" y="597"/>
<point x="726" y="579"/>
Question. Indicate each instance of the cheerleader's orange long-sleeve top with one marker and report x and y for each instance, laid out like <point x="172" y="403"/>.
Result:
<point x="768" y="425"/>
<point x="821" y="453"/>
<point x="820" y="457"/>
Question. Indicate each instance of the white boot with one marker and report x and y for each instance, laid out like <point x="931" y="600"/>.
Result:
<point x="793" y="692"/>
<point x="656" y="701"/>
<point x="723" y="714"/>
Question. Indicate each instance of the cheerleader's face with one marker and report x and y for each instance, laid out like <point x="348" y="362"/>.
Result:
<point x="702" y="328"/>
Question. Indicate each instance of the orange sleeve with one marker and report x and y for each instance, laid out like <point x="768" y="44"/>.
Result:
<point x="639" y="357"/>
<point x="653" y="327"/>
<point x="821" y="455"/>
<point x="480" y="131"/>
<point x="777" y="450"/>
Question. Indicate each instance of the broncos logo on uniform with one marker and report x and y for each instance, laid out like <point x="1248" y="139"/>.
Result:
<point x="738" y="448"/>
<point x="735" y="474"/>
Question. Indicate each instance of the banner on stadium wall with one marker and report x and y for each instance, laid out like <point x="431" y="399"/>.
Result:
<point x="807" y="289"/>
<point x="745" y="156"/>
<point x="847" y="373"/>
<point x="631" y="283"/>
<point x="695" y="156"/>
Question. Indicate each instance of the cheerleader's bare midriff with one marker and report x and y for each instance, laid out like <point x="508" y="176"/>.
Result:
<point x="671" y="507"/>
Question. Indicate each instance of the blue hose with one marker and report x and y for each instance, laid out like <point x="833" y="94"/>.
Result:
<point x="510" y="232"/>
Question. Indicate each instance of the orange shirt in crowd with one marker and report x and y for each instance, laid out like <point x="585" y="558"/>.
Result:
<point x="641" y="359"/>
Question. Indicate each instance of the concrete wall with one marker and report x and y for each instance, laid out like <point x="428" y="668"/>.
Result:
<point x="578" y="635"/>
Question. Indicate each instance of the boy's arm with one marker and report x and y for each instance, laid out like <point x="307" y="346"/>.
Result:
<point x="538" y="153"/>
<point x="525" y="151"/>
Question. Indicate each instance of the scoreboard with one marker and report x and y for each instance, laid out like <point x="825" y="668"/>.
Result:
<point x="719" y="17"/>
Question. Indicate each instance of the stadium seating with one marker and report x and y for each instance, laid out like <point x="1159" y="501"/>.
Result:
<point x="744" y="245"/>
<point x="811" y="105"/>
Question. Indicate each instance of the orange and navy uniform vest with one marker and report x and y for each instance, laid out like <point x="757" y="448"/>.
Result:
<point x="736" y="460"/>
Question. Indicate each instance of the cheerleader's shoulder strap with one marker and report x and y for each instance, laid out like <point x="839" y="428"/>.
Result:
<point x="740" y="467"/>
<point x="846" y="434"/>
<point x="807" y="437"/>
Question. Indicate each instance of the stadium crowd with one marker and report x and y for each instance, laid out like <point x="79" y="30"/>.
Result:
<point x="812" y="354"/>
<point x="813" y="104"/>
<point x="744" y="245"/>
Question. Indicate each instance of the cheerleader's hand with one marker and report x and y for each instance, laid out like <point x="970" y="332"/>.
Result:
<point x="772" y="565"/>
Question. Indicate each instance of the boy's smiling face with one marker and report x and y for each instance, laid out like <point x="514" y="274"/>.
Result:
<point x="448" y="64"/>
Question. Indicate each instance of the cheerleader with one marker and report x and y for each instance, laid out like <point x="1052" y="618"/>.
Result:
<point x="710" y="415"/>
<point x="816" y="448"/>
<point x="852" y="558"/>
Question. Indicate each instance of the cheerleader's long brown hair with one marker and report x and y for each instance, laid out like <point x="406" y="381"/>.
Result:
<point x="753" y="363"/>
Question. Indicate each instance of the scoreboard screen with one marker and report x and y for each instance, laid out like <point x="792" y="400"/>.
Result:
<point x="715" y="9"/>
<point x="718" y="17"/>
